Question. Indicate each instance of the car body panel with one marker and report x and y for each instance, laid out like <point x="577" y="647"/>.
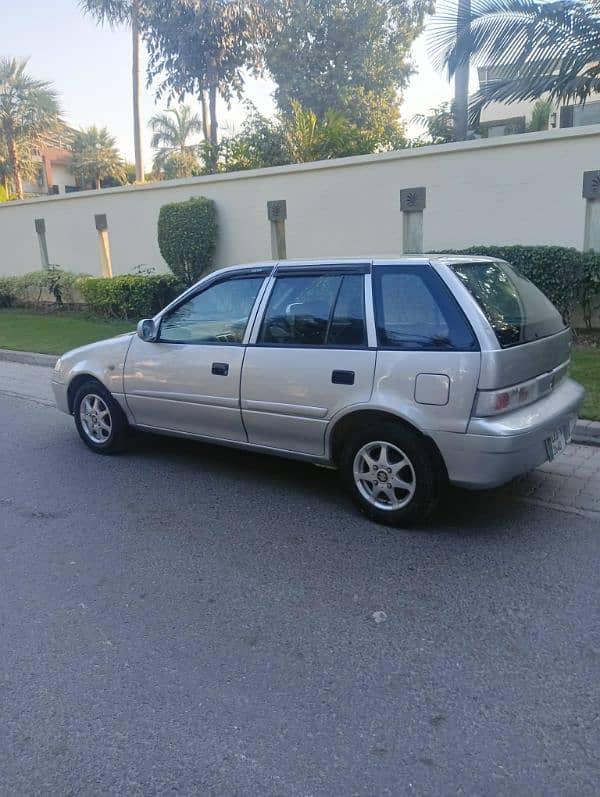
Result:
<point x="395" y="383"/>
<point x="171" y="386"/>
<point x="288" y="396"/>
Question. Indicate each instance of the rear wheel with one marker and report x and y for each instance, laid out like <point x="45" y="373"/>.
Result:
<point x="391" y="474"/>
<point x="99" y="419"/>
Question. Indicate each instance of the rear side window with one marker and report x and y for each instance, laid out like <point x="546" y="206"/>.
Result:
<point x="316" y="310"/>
<point x="414" y="310"/>
<point x="517" y="311"/>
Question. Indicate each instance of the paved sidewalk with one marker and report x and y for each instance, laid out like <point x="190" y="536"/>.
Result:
<point x="571" y="482"/>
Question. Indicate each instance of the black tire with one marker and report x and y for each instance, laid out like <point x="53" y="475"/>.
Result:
<point x="422" y="473"/>
<point x="107" y="442"/>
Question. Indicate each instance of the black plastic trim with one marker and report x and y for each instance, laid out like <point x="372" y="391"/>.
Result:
<point x="331" y="269"/>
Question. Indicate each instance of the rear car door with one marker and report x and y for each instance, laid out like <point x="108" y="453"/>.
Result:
<point x="309" y="357"/>
<point x="189" y="379"/>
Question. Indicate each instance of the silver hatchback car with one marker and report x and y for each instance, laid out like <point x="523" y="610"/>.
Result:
<point x="404" y="373"/>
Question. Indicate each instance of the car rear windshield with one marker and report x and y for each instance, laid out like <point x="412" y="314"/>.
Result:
<point x="517" y="311"/>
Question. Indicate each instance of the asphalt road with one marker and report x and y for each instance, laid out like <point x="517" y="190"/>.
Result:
<point x="190" y="620"/>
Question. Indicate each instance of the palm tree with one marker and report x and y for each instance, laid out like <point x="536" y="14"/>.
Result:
<point x="96" y="157"/>
<point x="28" y="111"/>
<point x="118" y="12"/>
<point x="460" y="106"/>
<point x="544" y="48"/>
<point x="171" y="131"/>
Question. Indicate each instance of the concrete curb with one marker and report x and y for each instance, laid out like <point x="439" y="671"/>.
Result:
<point x="586" y="433"/>
<point x="28" y="357"/>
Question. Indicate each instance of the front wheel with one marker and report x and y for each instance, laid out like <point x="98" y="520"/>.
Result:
<point x="100" y="421"/>
<point x="391" y="474"/>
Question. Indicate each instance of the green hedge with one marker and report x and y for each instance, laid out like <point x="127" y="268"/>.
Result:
<point x="187" y="237"/>
<point x="566" y="276"/>
<point x="36" y="287"/>
<point x="130" y="297"/>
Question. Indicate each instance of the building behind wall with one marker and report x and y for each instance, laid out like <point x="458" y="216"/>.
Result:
<point x="502" y="118"/>
<point x="54" y="173"/>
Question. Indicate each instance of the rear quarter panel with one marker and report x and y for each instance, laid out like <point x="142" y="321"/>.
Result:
<point x="395" y="380"/>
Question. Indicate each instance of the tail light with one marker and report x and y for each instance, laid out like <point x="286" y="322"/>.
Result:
<point x="494" y="402"/>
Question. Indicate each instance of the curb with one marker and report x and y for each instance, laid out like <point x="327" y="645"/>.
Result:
<point x="586" y="433"/>
<point x="28" y="357"/>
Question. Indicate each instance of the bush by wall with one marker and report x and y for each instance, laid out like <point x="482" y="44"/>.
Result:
<point x="187" y="237"/>
<point x="130" y="297"/>
<point x="51" y="284"/>
<point x="566" y="276"/>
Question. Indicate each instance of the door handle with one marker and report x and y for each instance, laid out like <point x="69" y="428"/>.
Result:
<point x="220" y="369"/>
<point x="342" y="377"/>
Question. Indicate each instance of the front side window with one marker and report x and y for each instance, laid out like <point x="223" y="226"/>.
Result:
<point x="218" y="314"/>
<point x="517" y="311"/>
<point x="414" y="310"/>
<point x="316" y="310"/>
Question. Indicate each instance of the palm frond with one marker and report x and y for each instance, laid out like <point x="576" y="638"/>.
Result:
<point x="543" y="47"/>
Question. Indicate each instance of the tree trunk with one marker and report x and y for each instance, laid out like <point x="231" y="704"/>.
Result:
<point x="461" y="77"/>
<point x="212" y="102"/>
<point x="97" y="183"/>
<point x="16" y="167"/>
<point x="205" y="121"/>
<point x="135" y="73"/>
<point x="6" y="185"/>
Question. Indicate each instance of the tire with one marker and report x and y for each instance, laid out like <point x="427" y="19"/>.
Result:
<point x="99" y="419"/>
<point x="403" y="479"/>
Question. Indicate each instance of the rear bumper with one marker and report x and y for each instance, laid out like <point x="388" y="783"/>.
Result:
<point x="495" y="450"/>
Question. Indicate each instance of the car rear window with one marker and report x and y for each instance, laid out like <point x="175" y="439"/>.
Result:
<point x="518" y="312"/>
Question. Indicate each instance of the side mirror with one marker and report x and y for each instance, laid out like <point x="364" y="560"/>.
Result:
<point x="147" y="330"/>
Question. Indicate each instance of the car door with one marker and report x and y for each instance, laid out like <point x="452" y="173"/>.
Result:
<point x="308" y="359"/>
<point x="188" y="380"/>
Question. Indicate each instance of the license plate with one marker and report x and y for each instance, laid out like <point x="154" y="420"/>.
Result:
<point x="556" y="444"/>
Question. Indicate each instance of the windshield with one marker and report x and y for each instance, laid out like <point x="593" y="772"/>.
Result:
<point x="517" y="311"/>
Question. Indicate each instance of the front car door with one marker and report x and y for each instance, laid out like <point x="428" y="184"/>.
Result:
<point x="189" y="379"/>
<point x="309" y="358"/>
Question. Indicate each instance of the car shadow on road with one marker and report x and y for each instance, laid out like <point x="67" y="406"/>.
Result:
<point x="460" y="512"/>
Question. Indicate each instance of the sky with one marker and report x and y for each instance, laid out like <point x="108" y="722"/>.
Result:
<point x="90" y="67"/>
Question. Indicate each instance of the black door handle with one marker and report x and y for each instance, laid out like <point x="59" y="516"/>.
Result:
<point x="220" y="369"/>
<point x="342" y="377"/>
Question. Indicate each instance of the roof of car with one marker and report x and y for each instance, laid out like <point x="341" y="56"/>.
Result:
<point x="381" y="260"/>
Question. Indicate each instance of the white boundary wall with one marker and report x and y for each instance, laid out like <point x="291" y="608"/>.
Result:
<point x="519" y="189"/>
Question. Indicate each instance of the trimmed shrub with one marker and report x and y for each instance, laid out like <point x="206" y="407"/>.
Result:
<point x="49" y="284"/>
<point x="130" y="297"/>
<point x="187" y="237"/>
<point x="8" y="291"/>
<point x="565" y="275"/>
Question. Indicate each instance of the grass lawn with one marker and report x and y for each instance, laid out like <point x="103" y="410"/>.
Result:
<point x="585" y="368"/>
<point x="54" y="333"/>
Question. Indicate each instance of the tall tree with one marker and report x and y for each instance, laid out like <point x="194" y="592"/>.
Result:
<point x="118" y="12"/>
<point x="347" y="56"/>
<point x="95" y="157"/>
<point x="171" y="132"/>
<point x="201" y="47"/>
<point x="543" y="48"/>
<point x="460" y="106"/>
<point x="28" y="111"/>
